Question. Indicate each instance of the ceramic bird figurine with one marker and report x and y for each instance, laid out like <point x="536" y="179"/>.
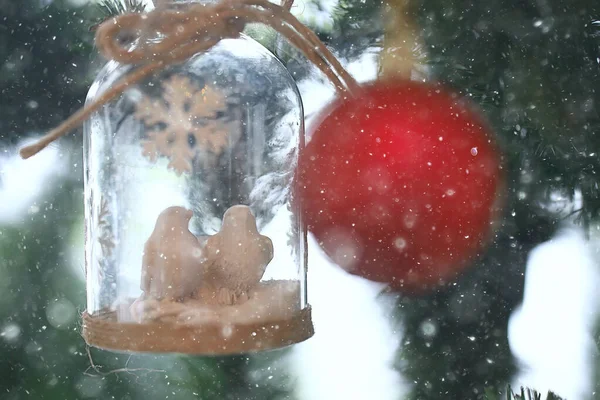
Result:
<point x="236" y="258"/>
<point x="172" y="263"/>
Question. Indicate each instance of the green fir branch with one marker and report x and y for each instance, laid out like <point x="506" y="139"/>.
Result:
<point x="358" y="25"/>
<point x="112" y="8"/>
<point x="523" y="394"/>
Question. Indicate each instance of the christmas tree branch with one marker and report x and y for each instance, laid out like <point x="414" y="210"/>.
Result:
<point x="113" y="8"/>
<point x="524" y="394"/>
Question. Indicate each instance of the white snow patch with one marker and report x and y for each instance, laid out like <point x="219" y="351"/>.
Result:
<point x="551" y="331"/>
<point x="23" y="182"/>
<point x="351" y="355"/>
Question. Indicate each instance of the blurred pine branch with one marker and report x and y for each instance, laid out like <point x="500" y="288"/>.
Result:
<point x="523" y="394"/>
<point x="111" y="8"/>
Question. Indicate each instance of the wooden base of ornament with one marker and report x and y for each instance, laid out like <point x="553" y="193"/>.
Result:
<point x="105" y="332"/>
<point x="266" y="321"/>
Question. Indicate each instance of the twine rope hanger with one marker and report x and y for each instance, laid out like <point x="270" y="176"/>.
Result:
<point x="186" y="32"/>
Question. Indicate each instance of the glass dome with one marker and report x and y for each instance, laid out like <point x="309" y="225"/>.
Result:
<point x="193" y="243"/>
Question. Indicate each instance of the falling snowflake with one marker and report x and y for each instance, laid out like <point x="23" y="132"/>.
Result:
<point x="185" y="120"/>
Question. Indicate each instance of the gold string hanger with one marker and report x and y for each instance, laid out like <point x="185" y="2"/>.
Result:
<point x="189" y="31"/>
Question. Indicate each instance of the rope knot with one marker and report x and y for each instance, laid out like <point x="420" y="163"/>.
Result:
<point x="165" y="36"/>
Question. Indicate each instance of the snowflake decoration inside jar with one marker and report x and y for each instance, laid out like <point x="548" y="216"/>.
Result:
<point x="104" y="229"/>
<point x="186" y="119"/>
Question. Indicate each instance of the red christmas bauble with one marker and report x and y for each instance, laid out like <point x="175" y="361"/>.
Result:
<point x="401" y="184"/>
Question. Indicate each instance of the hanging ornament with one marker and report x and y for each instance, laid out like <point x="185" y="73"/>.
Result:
<point x="192" y="133"/>
<point x="401" y="184"/>
<point x="195" y="242"/>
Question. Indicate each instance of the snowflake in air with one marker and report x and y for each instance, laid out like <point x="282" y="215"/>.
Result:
<point x="185" y="120"/>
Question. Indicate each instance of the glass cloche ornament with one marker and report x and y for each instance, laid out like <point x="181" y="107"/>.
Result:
<point x="193" y="242"/>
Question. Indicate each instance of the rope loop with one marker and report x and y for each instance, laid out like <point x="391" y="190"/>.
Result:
<point x="167" y="36"/>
